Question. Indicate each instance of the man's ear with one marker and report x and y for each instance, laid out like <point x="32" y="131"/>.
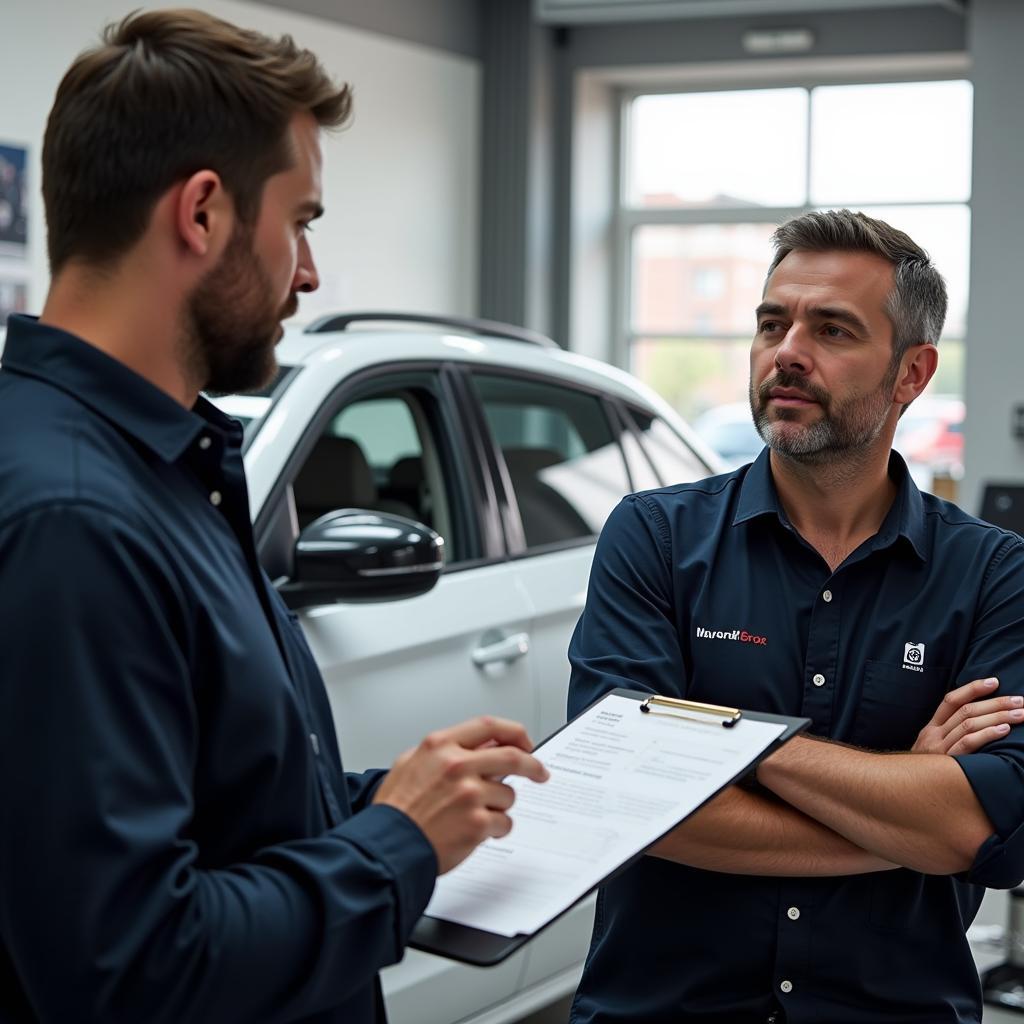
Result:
<point x="204" y="214"/>
<point x="916" y="369"/>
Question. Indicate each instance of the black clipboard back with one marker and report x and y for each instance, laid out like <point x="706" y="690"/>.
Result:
<point x="486" y="949"/>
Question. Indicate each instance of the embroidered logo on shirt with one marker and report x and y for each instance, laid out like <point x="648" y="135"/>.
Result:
<point x="731" y="634"/>
<point x="913" y="657"/>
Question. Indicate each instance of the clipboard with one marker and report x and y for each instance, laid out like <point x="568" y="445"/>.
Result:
<point x="479" y="948"/>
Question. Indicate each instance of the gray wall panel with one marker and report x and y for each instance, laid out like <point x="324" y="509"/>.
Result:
<point x="900" y="30"/>
<point x="444" y="24"/>
<point x="995" y="355"/>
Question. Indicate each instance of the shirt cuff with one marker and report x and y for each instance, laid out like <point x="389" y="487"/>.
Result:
<point x="999" y="786"/>
<point x="394" y="841"/>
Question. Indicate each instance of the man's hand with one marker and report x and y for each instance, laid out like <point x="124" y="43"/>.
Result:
<point x="968" y="718"/>
<point x="449" y="785"/>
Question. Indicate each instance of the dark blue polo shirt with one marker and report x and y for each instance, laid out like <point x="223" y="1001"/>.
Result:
<point x="706" y="591"/>
<point x="177" y="837"/>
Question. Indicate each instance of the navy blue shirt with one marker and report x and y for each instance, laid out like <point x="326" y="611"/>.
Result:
<point x="706" y="591"/>
<point x="178" y="841"/>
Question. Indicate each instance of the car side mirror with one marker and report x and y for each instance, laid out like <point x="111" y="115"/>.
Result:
<point x="355" y="554"/>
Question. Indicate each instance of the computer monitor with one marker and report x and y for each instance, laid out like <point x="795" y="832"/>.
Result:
<point x="1003" y="505"/>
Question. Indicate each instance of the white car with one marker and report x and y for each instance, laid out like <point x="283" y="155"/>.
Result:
<point x="729" y="430"/>
<point x="514" y="452"/>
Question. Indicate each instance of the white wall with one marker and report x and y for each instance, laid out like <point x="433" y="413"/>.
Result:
<point x="400" y="186"/>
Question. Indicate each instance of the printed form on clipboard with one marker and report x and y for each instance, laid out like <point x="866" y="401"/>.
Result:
<point x="624" y="773"/>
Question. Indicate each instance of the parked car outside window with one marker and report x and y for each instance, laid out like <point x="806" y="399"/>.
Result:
<point x="729" y="430"/>
<point x="929" y="436"/>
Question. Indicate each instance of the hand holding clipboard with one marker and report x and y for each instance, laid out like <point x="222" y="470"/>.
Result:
<point x="624" y="773"/>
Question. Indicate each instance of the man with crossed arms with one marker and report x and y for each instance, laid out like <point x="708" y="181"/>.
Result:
<point x="838" y="886"/>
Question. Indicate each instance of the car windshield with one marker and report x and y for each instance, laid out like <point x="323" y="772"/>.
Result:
<point x="249" y="409"/>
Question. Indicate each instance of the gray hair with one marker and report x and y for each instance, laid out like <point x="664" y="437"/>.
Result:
<point x="916" y="306"/>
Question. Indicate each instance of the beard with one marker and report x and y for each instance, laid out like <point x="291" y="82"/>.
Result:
<point x="844" y="429"/>
<point x="232" y="323"/>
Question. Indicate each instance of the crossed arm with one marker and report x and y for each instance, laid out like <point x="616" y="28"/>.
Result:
<point x="837" y="810"/>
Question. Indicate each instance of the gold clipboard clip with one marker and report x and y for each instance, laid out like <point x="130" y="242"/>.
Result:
<point x="728" y="716"/>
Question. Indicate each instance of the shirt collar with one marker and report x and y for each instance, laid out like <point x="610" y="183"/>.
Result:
<point x="905" y="519"/>
<point x="108" y="387"/>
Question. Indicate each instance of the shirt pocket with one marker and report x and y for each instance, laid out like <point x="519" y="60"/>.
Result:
<point x="896" y="703"/>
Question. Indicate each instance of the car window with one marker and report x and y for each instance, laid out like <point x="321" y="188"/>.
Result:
<point x="381" y="452"/>
<point x="673" y="458"/>
<point x="641" y="472"/>
<point x="386" y="429"/>
<point x="564" y="464"/>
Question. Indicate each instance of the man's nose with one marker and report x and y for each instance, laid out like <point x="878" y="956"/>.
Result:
<point x="306" y="277"/>
<point x="793" y="353"/>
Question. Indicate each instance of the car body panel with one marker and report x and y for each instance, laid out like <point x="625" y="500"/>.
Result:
<point x="373" y="682"/>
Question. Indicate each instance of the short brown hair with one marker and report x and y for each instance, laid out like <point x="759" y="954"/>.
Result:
<point x="917" y="304"/>
<point x="169" y="93"/>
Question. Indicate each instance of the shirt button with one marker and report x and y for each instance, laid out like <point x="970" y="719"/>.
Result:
<point x="315" y="742"/>
<point x="786" y="986"/>
<point x="204" y="443"/>
<point x="215" y="497"/>
<point x="826" y="596"/>
<point x="818" y="680"/>
<point x="793" y="913"/>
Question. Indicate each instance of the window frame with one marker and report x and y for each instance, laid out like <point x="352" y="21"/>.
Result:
<point x="515" y="537"/>
<point x="627" y="219"/>
<point x="276" y="528"/>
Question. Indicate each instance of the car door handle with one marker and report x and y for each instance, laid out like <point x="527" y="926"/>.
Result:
<point x="509" y="649"/>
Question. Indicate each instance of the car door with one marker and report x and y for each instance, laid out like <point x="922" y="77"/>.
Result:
<point x="395" y="670"/>
<point x="565" y="457"/>
<point x="560" y="471"/>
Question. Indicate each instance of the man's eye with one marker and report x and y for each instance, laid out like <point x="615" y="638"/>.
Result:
<point x="768" y="326"/>
<point x="306" y="227"/>
<point x="835" y="332"/>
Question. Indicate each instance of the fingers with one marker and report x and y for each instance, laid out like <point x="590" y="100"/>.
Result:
<point x="498" y="762"/>
<point x="982" y="709"/>
<point x="501" y="825"/>
<point x="956" y="699"/>
<point x="974" y="741"/>
<point x="970" y="727"/>
<point x="497" y="796"/>
<point x="477" y="731"/>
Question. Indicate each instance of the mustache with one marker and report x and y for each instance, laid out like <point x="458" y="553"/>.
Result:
<point x="290" y="308"/>
<point x="784" y="379"/>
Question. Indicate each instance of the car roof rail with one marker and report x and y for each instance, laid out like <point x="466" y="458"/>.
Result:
<point x="473" y="325"/>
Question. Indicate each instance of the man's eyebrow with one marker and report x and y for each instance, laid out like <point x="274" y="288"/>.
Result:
<point x="844" y="316"/>
<point x="312" y="208"/>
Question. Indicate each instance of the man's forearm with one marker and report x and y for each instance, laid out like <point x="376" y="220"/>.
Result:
<point x="748" y="834"/>
<point x="917" y="810"/>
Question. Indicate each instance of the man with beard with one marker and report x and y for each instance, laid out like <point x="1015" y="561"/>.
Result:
<point x="837" y="885"/>
<point x="178" y="841"/>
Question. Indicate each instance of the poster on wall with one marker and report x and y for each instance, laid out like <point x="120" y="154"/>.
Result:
<point x="13" y="200"/>
<point x="13" y="292"/>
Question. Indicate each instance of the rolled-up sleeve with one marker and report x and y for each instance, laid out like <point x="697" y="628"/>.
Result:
<point x="627" y="635"/>
<point x="107" y="911"/>
<point x="996" y="773"/>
